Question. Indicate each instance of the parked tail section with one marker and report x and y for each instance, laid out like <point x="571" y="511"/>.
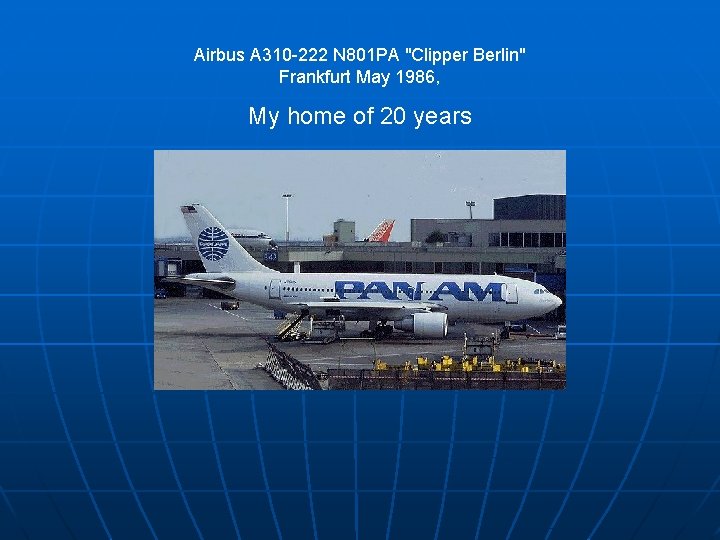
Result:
<point x="219" y="251"/>
<point x="382" y="231"/>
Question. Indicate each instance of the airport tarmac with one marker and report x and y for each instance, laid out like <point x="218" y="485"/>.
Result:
<point x="198" y="346"/>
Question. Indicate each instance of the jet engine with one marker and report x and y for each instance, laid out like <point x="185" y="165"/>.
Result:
<point x="427" y="325"/>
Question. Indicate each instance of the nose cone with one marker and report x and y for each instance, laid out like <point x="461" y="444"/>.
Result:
<point x="556" y="302"/>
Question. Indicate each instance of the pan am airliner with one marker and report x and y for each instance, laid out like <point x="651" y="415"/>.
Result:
<point x="418" y="303"/>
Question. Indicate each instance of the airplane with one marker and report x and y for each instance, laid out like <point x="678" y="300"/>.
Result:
<point x="382" y="232"/>
<point x="253" y="238"/>
<point x="423" y="304"/>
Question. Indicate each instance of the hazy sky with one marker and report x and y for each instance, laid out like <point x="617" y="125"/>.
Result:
<point x="244" y="188"/>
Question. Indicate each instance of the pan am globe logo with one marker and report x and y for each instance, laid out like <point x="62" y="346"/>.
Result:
<point x="213" y="243"/>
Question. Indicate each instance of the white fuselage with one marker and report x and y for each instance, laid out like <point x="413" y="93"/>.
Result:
<point x="252" y="238"/>
<point x="481" y="298"/>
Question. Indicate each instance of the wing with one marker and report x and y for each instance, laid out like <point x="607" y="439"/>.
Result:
<point x="364" y="310"/>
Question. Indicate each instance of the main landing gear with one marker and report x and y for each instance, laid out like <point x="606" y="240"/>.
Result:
<point x="378" y="330"/>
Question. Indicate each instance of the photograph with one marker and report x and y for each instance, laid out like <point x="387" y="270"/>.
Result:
<point x="352" y="270"/>
<point x="367" y="205"/>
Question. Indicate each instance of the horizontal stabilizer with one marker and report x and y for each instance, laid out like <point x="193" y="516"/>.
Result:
<point x="222" y="283"/>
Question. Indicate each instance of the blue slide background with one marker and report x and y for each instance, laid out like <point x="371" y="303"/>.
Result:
<point x="629" y="450"/>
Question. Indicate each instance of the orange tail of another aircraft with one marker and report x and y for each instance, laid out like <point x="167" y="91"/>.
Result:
<point x="382" y="232"/>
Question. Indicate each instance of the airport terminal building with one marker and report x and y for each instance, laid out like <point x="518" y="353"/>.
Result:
<point x="525" y="239"/>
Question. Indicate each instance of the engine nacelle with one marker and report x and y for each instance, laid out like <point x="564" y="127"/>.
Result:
<point x="428" y="325"/>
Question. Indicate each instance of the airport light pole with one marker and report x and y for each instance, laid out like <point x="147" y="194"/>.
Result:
<point x="470" y="205"/>
<point x="287" y="196"/>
